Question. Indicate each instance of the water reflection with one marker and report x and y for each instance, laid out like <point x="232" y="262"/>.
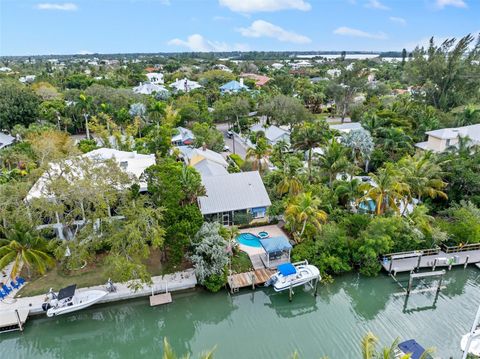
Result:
<point x="303" y="302"/>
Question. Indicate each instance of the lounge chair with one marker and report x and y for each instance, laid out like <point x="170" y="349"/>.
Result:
<point x="20" y="280"/>
<point x="15" y="285"/>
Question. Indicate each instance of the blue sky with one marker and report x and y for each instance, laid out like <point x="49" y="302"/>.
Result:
<point x="31" y="27"/>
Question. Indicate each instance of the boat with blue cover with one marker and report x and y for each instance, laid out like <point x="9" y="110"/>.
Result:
<point x="412" y="348"/>
<point x="293" y="275"/>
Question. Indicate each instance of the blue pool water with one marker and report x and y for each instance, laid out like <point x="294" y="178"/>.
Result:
<point x="249" y="239"/>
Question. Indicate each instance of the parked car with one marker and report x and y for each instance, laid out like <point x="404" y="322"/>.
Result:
<point x="226" y="148"/>
<point x="229" y="134"/>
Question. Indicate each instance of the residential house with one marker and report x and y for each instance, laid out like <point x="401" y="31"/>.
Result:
<point x="300" y="64"/>
<point x="6" y="140"/>
<point x="184" y="137"/>
<point x="131" y="162"/>
<point x="234" y="197"/>
<point x="334" y="73"/>
<point x="233" y="87"/>
<point x="260" y="80"/>
<point x="222" y="67"/>
<point x="440" y="140"/>
<point x="230" y="197"/>
<point x="155" y="78"/>
<point x="346" y="127"/>
<point x="273" y="133"/>
<point x="276" y="66"/>
<point x="184" y="85"/>
<point x="148" y="88"/>
<point x="27" y="79"/>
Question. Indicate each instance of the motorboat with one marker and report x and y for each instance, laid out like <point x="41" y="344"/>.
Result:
<point x="412" y="348"/>
<point x="68" y="300"/>
<point x="293" y="275"/>
<point x="474" y="343"/>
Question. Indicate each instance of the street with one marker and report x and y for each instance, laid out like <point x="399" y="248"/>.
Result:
<point x="239" y="148"/>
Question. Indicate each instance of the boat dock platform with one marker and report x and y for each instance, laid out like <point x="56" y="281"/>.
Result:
<point x="28" y="306"/>
<point x="432" y="258"/>
<point x="13" y="320"/>
<point x="248" y="279"/>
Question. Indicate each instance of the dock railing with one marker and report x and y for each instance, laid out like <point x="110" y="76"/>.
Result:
<point x="406" y="254"/>
<point x="463" y="248"/>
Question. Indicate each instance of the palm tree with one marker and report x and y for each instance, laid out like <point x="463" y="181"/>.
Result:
<point x="302" y="210"/>
<point x="386" y="189"/>
<point x="308" y="136"/>
<point x="369" y="349"/>
<point x="24" y="247"/>
<point x="361" y="144"/>
<point x="423" y="176"/>
<point x="334" y="160"/>
<point x="85" y="104"/>
<point x="290" y="182"/>
<point x="191" y="185"/>
<point x="348" y="191"/>
<point x="259" y="154"/>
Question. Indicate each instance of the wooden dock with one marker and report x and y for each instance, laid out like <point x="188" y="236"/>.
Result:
<point x="432" y="258"/>
<point x="248" y="279"/>
<point x="159" y="299"/>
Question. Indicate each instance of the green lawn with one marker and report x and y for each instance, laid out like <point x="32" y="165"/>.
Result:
<point x="241" y="262"/>
<point x="93" y="274"/>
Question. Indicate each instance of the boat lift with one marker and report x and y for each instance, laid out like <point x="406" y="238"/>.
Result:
<point x="471" y="334"/>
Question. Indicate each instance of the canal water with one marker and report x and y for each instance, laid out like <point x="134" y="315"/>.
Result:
<point x="261" y="323"/>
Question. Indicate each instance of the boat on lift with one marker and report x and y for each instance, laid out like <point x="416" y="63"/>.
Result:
<point x="68" y="300"/>
<point x="293" y="275"/>
<point x="412" y="348"/>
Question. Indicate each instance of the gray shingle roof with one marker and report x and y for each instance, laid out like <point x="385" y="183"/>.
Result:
<point x="232" y="192"/>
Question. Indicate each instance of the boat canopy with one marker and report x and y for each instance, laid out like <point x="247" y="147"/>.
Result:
<point x="287" y="269"/>
<point x="413" y="348"/>
<point x="67" y="292"/>
<point x="275" y="244"/>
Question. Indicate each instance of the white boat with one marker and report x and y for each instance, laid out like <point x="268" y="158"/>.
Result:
<point x="293" y="275"/>
<point x="474" y="344"/>
<point x="67" y="300"/>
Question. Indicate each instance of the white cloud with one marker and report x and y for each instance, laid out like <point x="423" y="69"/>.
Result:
<point x="67" y="6"/>
<point x="261" y="28"/>
<point x="376" y="4"/>
<point x="85" y="52"/>
<point x="249" y="6"/>
<point x="455" y="3"/>
<point x="197" y="42"/>
<point x="398" y="20"/>
<point x="348" y="31"/>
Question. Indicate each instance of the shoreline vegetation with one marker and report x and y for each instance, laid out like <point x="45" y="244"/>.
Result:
<point x="346" y="196"/>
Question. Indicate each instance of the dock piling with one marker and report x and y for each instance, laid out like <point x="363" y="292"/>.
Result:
<point x="466" y="262"/>
<point x="434" y="264"/>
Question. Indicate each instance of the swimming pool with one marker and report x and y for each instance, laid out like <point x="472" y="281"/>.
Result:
<point x="249" y="239"/>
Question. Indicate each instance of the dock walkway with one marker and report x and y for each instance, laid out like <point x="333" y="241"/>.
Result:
<point x="247" y="279"/>
<point x="176" y="281"/>
<point x="431" y="258"/>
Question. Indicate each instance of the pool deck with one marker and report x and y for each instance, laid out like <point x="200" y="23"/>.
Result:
<point x="272" y="230"/>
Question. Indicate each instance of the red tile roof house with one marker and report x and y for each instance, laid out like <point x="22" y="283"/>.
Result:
<point x="260" y="80"/>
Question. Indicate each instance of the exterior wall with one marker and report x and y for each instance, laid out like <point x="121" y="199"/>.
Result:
<point x="436" y="144"/>
<point x="222" y="217"/>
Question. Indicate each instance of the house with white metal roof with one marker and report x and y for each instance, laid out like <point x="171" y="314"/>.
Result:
<point x="347" y="127"/>
<point x="148" y="88"/>
<point x="184" y="85"/>
<point x="234" y="197"/>
<point x="6" y="140"/>
<point x="132" y="163"/>
<point x="155" y="78"/>
<point x="440" y="140"/>
<point x="273" y="133"/>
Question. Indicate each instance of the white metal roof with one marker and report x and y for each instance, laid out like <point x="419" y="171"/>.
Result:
<point x="272" y="133"/>
<point x="232" y="192"/>
<point x="132" y="163"/>
<point x="6" y="140"/>
<point x="472" y="131"/>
